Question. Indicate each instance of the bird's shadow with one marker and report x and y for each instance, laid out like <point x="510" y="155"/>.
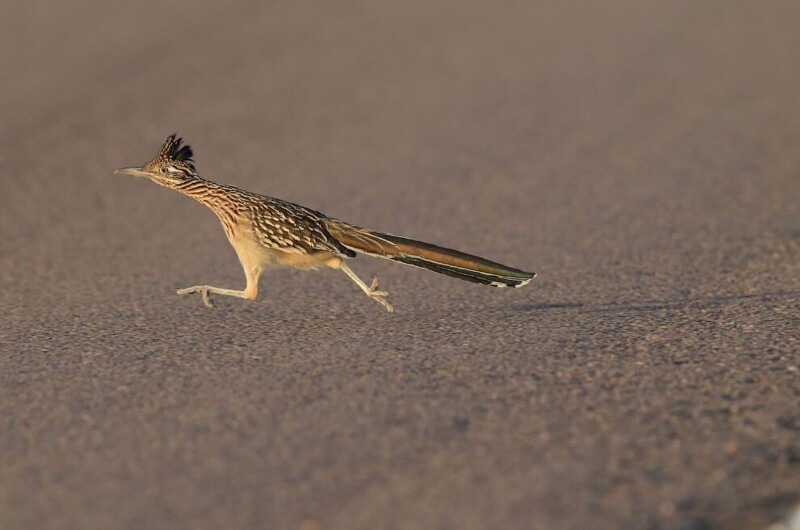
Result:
<point x="549" y="305"/>
<point x="658" y="305"/>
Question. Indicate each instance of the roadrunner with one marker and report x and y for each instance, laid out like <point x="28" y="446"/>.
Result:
<point x="266" y="231"/>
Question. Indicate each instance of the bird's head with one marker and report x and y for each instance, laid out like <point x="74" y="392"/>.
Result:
<point x="173" y="164"/>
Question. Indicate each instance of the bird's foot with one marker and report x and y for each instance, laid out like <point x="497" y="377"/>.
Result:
<point x="204" y="293"/>
<point x="379" y="296"/>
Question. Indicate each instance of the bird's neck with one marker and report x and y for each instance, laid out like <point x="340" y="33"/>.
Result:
<point x="197" y="188"/>
<point x="219" y="198"/>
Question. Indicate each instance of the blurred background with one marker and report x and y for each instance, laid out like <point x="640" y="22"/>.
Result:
<point x="641" y="156"/>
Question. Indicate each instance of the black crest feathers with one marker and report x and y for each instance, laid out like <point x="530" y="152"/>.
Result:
<point x="174" y="150"/>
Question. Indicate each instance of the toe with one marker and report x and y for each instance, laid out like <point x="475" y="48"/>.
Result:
<point x="207" y="298"/>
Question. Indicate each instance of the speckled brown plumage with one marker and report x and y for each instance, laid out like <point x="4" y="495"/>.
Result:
<point x="267" y="231"/>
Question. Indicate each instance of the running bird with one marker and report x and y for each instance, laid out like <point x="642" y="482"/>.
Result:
<point x="267" y="231"/>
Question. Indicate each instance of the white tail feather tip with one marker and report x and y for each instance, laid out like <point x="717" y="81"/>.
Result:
<point x="526" y="282"/>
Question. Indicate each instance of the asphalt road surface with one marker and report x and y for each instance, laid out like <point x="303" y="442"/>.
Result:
<point x="642" y="157"/>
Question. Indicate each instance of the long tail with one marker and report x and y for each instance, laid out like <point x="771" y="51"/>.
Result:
<point x="427" y="256"/>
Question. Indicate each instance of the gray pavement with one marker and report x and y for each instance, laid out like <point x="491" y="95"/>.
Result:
<point x="642" y="157"/>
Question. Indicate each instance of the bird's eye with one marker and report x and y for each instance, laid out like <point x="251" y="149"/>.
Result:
<point x="163" y="169"/>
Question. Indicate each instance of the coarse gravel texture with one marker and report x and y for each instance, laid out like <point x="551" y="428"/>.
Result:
<point x="643" y="157"/>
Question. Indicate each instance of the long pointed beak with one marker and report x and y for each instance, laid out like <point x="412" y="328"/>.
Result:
<point x="139" y="172"/>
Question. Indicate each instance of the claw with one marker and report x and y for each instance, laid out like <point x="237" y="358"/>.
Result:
<point x="379" y="296"/>
<point x="374" y="284"/>
<point x="204" y="293"/>
<point x="207" y="298"/>
<point x="385" y="304"/>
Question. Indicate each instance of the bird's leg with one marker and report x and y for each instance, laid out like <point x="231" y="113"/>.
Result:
<point x="206" y="290"/>
<point x="249" y="293"/>
<point x="372" y="290"/>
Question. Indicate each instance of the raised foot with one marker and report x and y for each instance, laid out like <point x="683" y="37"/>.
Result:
<point x="379" y="296"/>
<point x="198" y="289"/>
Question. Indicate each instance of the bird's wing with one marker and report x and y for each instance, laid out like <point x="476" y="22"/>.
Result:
<point x="295" y="228"/>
